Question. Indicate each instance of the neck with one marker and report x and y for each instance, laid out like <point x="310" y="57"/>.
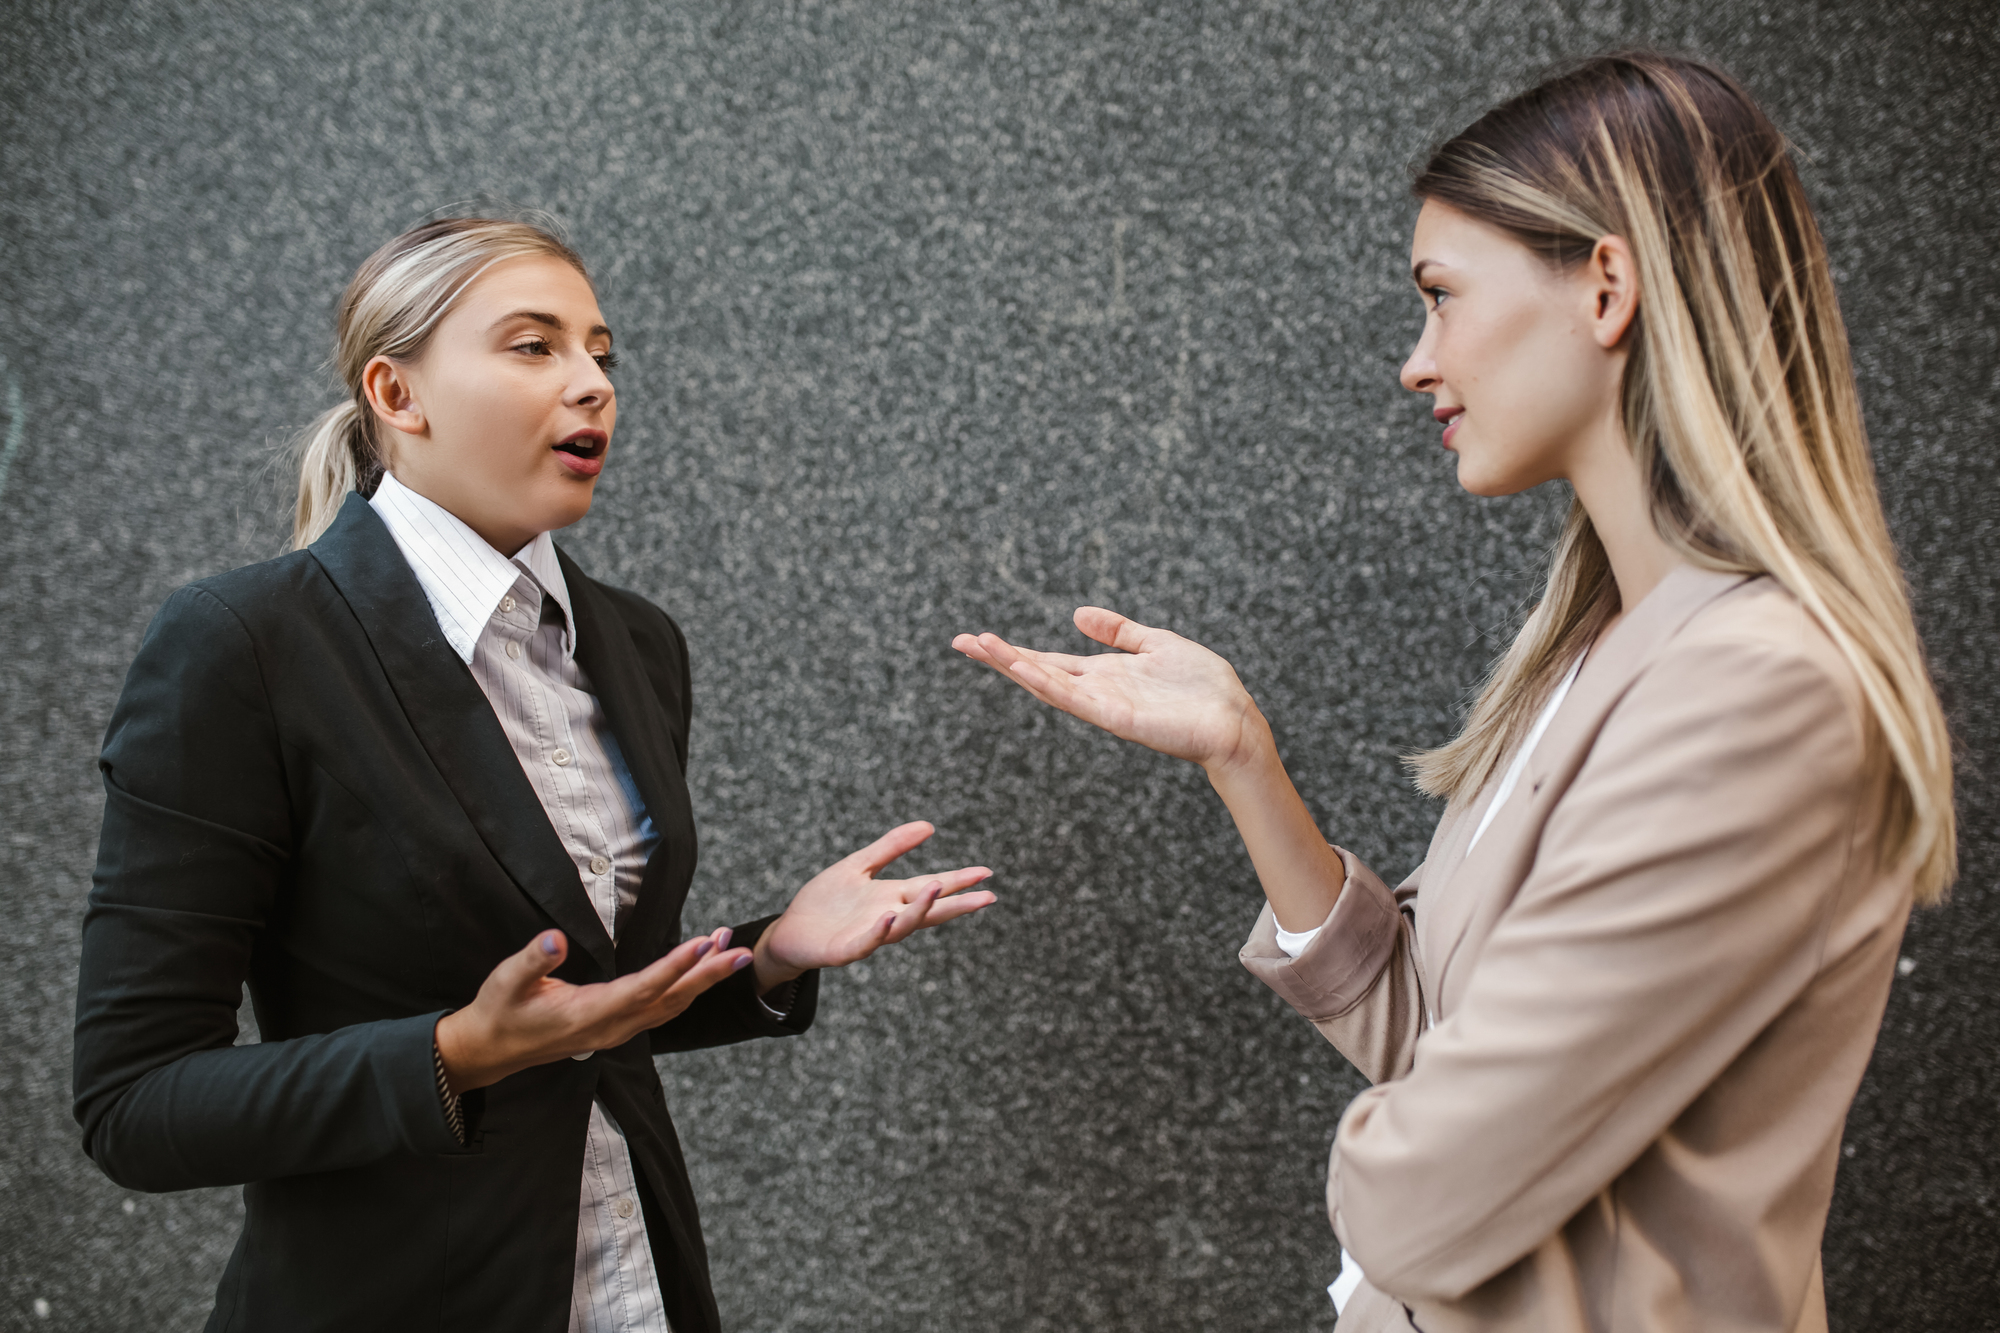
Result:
<point x="506" y="538"/>
<point x="1611" y="490"/>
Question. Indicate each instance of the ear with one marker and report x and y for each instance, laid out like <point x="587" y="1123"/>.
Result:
<point x="1612" y="281"/>
<point x="387" y="387"/>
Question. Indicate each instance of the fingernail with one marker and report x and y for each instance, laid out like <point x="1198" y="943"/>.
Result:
<point x="936" y="887"/>
<point x="701" y="950"/>
<point x="549" y="944"/>
<point x="723" y="936"/>
<point x="741" y="963"/>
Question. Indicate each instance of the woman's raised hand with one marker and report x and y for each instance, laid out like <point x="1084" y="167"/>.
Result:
<point x="1165" y="692"/>
<point x="844" y="913"/>
<point x="524" y="1017"/>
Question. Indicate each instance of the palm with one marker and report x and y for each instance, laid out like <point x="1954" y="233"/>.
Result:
<point x="844" y="913"/>
<point x="1163" y="691"/>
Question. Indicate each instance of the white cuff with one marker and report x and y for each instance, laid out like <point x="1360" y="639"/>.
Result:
<point x="1296" y="942"/>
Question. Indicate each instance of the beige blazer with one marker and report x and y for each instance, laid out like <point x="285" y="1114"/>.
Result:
<point x="1653" y="987"/>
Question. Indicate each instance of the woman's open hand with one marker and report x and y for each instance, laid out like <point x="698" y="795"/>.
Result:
<point x="1165" y="692"/>
<point x="844" y="913"/>
<point x="524" y="1017"/>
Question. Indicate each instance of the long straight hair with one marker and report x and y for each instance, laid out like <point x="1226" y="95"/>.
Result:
<point x="1738" y="399"/>
<point x="391" y="307"/>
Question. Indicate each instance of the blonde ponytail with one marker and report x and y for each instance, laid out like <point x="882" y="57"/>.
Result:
<point x="336" y="454"/>
<point x="391" y="307"/>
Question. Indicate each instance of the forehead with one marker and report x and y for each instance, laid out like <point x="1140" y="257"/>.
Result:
<point x="534" y="282"/>
<point x="1453" y="240"/>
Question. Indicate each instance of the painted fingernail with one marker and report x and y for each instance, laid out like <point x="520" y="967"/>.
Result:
<point x="723" y="936"/>
<point x="550" y="943"/>
<point x="701" y="950"/>
<point x="741" y="963"/>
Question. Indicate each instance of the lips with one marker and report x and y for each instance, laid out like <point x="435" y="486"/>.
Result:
<point x="582" y="452"/>
<point x="1450" y="416"/>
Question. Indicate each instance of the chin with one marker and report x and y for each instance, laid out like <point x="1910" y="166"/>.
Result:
<point x="568" y="506"/>
<point x="1487" y="482"/>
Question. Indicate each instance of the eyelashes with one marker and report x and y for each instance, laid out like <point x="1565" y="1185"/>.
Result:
<point x="539" y="347"/>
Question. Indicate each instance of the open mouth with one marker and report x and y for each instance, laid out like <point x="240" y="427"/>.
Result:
<point x="1450" y="420"/>
<point x="583" y="452"/>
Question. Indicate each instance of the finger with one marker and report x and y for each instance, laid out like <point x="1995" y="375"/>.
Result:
<point x="1053" y="688"/>
<point x="953" y="881"/>
<point x="1111" y="628"/>
<point x="710" y="971"/>
<point x="993" y="649"/>
<point x="617" y="1010"/>
<point x="969" y="645"/>
<point x="965" y="904"/>
<point x="676" y="963"/>
<point x="1003" y="654"/>
<point x="874" y="938"/>
<point x="911" y="919"/>
<point x="889" y="846"/>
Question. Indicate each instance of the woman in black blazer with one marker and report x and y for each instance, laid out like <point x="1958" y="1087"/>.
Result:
<point x="308" y="789"/>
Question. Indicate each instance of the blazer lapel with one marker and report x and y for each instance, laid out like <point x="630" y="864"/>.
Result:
<point x="1480" y="884"/>
<point x="605" y="651"/>
<point x="454" y="721"/>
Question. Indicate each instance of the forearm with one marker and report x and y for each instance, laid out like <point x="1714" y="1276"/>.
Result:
<point x="1301" y="875"/>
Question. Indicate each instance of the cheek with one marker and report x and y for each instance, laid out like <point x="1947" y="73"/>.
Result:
<point x="1526" y="384"/>
<point x="498" y="422"/>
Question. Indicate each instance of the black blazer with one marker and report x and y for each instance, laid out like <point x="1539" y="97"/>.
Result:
<point x="306" y="789"/>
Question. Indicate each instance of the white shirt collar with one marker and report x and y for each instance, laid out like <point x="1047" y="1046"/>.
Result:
<point x="462" y="577"/>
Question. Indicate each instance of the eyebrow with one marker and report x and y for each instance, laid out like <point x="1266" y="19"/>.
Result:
<point x="552" y="321"/>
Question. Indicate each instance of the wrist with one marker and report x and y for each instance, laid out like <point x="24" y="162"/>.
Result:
<point x="1255" y="749"/>
<point x="465" y="1052"/>
<point x="772" y="972"/>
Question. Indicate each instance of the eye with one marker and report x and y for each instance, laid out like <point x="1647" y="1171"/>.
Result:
<point x="536" y="347"/>
<point x="607" y="362"/>
<point x="1438" y="296"/>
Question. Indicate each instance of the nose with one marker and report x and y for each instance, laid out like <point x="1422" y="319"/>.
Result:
<point x="590" y="387"/>
<point x="1420" y="372"/>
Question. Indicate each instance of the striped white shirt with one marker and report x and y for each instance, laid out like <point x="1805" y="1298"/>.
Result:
<point x="510" y="621"/>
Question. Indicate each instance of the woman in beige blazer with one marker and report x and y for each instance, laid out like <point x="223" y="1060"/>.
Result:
<point x="1615" y="1019"/>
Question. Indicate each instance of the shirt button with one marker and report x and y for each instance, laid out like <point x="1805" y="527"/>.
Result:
<point x="506" y="603"/>
<point x="598" y="865"/>
<point x="513" y="650"/>
<point x="561" y="757"/>
<point x="623" y="1208"/>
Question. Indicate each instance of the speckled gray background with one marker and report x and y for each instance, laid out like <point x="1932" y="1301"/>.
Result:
<point x="941" y="317"/>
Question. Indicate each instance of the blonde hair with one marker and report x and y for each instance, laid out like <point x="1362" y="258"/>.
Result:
<point x="391" y="307"/>
<point x="1739" y="399"/>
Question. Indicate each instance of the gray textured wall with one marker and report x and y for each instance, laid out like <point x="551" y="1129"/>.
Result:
<point x="941" y="317"/>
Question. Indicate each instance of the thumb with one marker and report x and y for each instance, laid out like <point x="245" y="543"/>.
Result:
<point x="1108" y="627"/>
<point x="543" y="955"/>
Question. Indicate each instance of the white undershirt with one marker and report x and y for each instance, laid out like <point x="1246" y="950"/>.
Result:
<point x="1295" y="942"/>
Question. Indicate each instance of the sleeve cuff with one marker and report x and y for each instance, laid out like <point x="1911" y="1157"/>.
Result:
<point x="454" y="1108"/>
<point x="1295" y="942"/>
<point x="778" y="1001"/>
<point x="1340" y="958"/>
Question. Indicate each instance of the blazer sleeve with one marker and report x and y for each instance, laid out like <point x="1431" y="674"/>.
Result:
<point x="1358" y="981"/>
<point x="1678" y="904"/>
<point x="193" y="853"/>
<point x="731" y="1011"/>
